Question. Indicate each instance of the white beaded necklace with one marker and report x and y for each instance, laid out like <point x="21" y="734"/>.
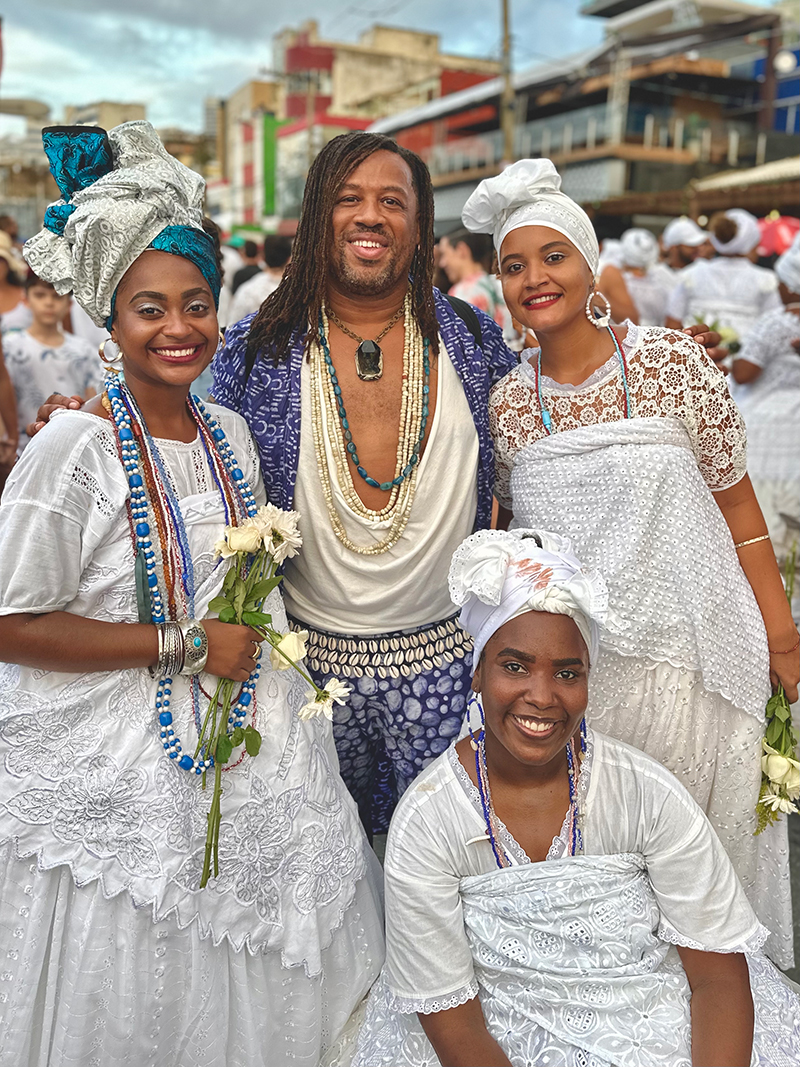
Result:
<point x="413" y="400"/>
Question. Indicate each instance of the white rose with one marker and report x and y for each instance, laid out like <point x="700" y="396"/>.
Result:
<point x="778" y="768"/>
<point x="222" y="548"/>
<point x="792" y="783"/>
<point x="292" y="645"/>
<point x="246" y="538"/>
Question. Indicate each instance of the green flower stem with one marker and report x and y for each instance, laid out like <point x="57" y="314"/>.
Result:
<point x="274" y="639"/>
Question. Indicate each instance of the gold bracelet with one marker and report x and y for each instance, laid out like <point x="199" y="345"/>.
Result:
<point x="752" y="541"/>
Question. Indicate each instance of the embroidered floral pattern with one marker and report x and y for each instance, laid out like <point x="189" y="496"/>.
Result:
<point x="178" y="812"/>
<point x="252" y="850"/>
<point x="101" y="809"/>
<point x="319" y="866"/>
<point x="46" y="737"/>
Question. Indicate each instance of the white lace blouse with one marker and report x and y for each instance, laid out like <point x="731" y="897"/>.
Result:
<point x="630" y="804"/>
<point x="669" y="376"/>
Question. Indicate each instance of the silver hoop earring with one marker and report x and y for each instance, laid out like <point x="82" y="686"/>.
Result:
<point x="600" y="321"/>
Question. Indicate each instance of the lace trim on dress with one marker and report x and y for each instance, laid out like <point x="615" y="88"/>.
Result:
<point x="754" y="943"/>
<point x="429" y="1005"/>
<point x="86" y="481"/>
<point x="560" y="845"/>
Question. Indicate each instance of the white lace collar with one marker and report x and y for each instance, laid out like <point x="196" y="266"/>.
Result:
<point x="560" y="845"/>
<point x="607" y="370"/>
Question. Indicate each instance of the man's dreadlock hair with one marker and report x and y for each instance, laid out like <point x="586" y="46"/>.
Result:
<point x="297" y="301"/>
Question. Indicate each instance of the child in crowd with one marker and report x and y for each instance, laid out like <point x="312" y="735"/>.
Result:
<point x="44" y="358"/>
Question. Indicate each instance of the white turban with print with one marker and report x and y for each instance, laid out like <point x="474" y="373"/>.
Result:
<point x="528" y="193"/>
<point x="497" y="575"/>
<point x="639" y="248"/>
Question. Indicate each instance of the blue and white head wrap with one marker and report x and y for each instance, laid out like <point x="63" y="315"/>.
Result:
<point x="121" y="193"/>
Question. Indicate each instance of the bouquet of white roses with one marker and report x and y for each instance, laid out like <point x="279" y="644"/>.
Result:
<point x="780" y="767"/>
<point x="256" y="549"/>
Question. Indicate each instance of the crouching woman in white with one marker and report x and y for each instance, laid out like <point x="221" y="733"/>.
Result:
<point x="552" y="895"/>
<point x="111" y="951"/>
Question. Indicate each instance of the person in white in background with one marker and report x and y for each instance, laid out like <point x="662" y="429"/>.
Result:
<point x="82" y="326"/>
<point x="44" y="354"/>
<point x="647" y="281"/>
<point x="610" y="254"/>
<point x="231" y="262"/>
<point x="14" y="312"/>
<point x="767" y="369"/>
<point x="681" y="241"/>
<point x="251" y="294"/>
<point x="729" y="292"/>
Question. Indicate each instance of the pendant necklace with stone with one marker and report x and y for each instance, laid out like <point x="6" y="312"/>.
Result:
<point x="369" y="358"/>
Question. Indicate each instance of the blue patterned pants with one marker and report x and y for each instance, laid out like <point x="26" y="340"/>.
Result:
<point x="410" y="691"/>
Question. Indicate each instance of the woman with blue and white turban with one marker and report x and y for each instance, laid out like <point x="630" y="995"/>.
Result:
<point x="554" y="896"/>
<point x="117" y="947"/>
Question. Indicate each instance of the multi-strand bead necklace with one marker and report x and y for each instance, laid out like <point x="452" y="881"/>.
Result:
<point x="153" y="504"/>
<point x="328" y="411"/>
<point x="573" y="830"/>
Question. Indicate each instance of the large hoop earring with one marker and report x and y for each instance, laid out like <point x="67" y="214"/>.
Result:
<point x="112" y="359"/>
<point x="601" y="322"/>
<point x="221" y="338"/>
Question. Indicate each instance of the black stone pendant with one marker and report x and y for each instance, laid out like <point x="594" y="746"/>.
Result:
<point x="369" y="361"/>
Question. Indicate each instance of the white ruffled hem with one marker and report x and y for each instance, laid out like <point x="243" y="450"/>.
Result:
<point x="430" y="1005"/>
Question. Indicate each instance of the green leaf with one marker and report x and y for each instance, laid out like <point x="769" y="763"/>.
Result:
<point x="219" y="603"/>
<point x="224" y="749"/>
<point x="227" y="614"/>
<point x="252" y="741"/>
<point x="239" y="597"/>
<point x="230" y="579"/>
<point x="237" y="736"/>
<point x="262" y="589"/>
<point x="256" y="618"/>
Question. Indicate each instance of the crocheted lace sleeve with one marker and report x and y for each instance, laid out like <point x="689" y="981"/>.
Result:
<point x="670" y="375"/>
<point x="512" y="424"/>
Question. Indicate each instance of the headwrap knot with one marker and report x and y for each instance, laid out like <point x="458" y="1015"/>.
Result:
<point x="528" y="193"/>
<point x="122" y="193"/>
<point x="747" y="236"/>
<point x="497" y="575"/>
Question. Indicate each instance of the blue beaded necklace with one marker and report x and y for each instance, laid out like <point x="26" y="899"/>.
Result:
<point x="348" y="436"/>
<point x="478" y="743"/>
<point x="547" y="420"/>
<point x="138" y="450"/>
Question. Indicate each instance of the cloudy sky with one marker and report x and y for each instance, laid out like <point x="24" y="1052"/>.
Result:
<point x="171" y="54"/>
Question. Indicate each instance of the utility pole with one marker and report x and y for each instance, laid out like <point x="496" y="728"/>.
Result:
<point x="507" y="115"/>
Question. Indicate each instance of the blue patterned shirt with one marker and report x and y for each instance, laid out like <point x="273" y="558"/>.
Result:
<point x="270" y="400"/>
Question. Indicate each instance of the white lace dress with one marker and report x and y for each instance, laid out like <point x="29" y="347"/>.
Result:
<point x="572" y="958"/>
<point x="771" y="409"/>
<point x="683" y="672"/>
<point x="110" y="953"/>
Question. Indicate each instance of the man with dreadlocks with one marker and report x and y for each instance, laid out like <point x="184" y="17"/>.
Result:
<point x="367" y="395"/>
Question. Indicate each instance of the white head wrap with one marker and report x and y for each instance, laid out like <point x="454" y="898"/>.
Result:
<point x="683" y="231"/>
<point x="112" y="211"/>
<point x="787" y="266"/>
<point x="497" y="575"/>
<point x="747" y="234"/>
<point x="528" y="193"/>
<point x="639" y="249"/>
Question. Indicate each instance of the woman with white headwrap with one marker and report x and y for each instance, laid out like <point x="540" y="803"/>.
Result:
<point x="729" y="291"/>
<point x="112" y="952"/>
<point x="767" y="367"/>
<point x="626" y="440"/>
<point x="647" y="282"/>
<point x="554" y="896"/>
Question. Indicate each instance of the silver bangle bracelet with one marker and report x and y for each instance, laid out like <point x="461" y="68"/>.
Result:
<point x="195" y="646"/>
<point x="170" y="650"/>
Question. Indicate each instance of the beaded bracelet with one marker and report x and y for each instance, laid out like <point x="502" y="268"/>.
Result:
<point x="752" y="541"/>
<point x="786" y="651"/>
